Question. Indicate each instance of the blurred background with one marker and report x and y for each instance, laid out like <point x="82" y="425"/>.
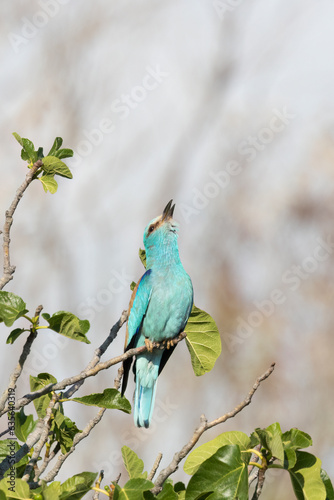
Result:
<point x="226" y="107"/>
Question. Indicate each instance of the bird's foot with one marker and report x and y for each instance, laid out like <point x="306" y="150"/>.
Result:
<point x="149" y="345"/>
<point x="171" y="343"/>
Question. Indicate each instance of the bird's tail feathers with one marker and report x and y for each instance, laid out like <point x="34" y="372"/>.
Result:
<point x="147" y="369"/>
<point x="144" y="404"/>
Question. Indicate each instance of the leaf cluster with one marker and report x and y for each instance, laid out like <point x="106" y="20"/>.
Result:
<point x="13" y="307"/>
<point x="219" y="469"/>
<point x="52" y="163"/>
<point x="73" y="488"/>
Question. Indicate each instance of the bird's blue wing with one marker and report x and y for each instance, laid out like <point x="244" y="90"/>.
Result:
<point x="137" y="309"/>
<point x="138" y="305"/>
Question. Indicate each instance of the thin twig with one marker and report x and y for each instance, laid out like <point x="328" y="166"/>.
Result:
<point x="84" y="374"/>
<point x="118" y="379"/>
<point x="98" y="484"/>
<point x="204" y="426"/>
<point x="252" y="474"/>
<point x="42" y="440"/>
<point x="18" y="369"/>
<point x="155" y="467"/>
<point x="259" y="484"/>
<point x="46" y="461"/>
<point x="8" y="269"/>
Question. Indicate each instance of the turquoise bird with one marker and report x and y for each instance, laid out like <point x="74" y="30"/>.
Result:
<point x="159" y="310"/>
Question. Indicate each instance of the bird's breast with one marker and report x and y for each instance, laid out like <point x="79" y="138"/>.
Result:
<point x="169" y="307"/>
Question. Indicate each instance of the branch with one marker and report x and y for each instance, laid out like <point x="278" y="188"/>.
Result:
<point x="259" y="484"/>
<point x="47" y="460"/>
<point x="82" y="435"/>
<point x="77" y="438"/>
<point x="99" y="352"/>
<point x="155" y="467"/>
<point x="85" y="374"/>
<point x="42" y="439"/>
<point x="204" y="426"/>
<point x="18" y="369"/>
<point x="8" y="269"/>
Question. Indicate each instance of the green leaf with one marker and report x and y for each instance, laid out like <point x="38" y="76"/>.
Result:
<point x="63" y="430"/>
<point x="134" y="489"/>
<point x="12" y="307"/>
<point x="49" y="183"/>
<point x="290" y="458"/>
<point x="168" y="493"/>
<point x="179" y="486"/>
<point x="24" y="425"/>
<point x="54" y="166"/>
<point x="14" y="334"/>
<point x="142" y="256"/>
<point x="133" y="464"/>
<point x="133" y="285"/>
<point x="40" y="154"/>
<point x="293" y="440"/>
<point x="69" y="325"/>
<point x="52" y="491"/>
<point x="206" y="450"/>
<point x="77" y="486"/>
<point x="306" y="479"/>
<point x="29" y="148"/>
<point x="296" y="439"/>
<point x="109" y="398"/>
<point x="271" y="440"/>
<point x="2" y="495"/>
<point x="55" y="146"/>
<point x="224" y="474"/>
<point x="328" y="485"/>
<point x="18" y="138"/>
<point x="203" y="341"/>
<point x="24" y="155"/>
<point x="64" y="153"/>
<point x="20" y="489"/>
<point x="36" y="383"/>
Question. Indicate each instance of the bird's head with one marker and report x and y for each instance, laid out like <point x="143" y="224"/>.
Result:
<point x="160" y="235"/>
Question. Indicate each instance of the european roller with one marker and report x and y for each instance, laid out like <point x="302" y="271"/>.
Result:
<point x="159" y="309"/>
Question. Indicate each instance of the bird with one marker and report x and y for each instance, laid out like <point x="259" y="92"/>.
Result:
<point x="159" y="310"/>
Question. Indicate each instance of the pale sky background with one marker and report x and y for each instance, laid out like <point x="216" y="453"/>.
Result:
<point x="229" y="112"/>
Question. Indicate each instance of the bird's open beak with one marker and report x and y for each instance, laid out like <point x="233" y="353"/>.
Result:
<point x="168" y="211"/>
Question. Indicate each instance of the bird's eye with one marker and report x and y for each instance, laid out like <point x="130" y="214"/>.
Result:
<point x="151" y="228"/>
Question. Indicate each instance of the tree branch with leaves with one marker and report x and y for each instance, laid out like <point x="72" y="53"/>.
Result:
<point x="35" y="451"/>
